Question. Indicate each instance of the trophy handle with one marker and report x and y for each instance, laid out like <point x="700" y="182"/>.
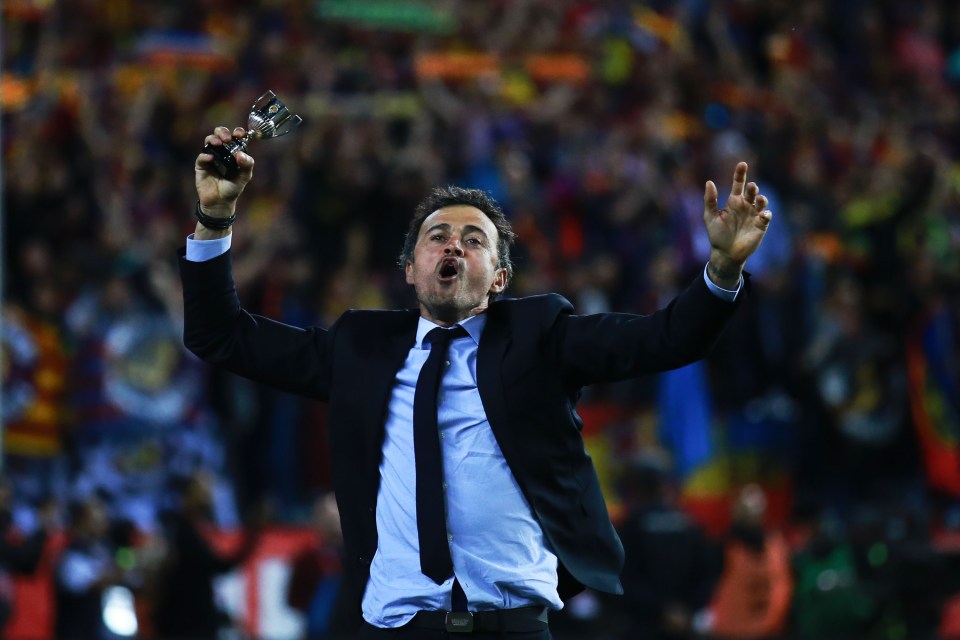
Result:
<point x="270" y="118"/>
<point x="288" y="126"/>
<point x="262" y="101"/>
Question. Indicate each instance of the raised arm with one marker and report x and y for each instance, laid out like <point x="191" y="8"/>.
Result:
<point x="615" y="346"/>
<point x="216" y="328"/>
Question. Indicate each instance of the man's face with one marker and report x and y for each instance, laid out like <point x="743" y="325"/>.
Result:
<point x="454" y="269"/>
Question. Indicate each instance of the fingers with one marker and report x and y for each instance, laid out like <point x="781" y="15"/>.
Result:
<point x="710" y="197"/>
<point x="244" y="161"/>
<point x="744" y="192"/>
<point x="764" y="215"/>
<point x="220" y="136"/>
<point x="764" y="218"/>
<point x="226" y="135"/>
<point x="745" y="197"/>
<point x="223" y="134"/>
<point x="739" y="179"/>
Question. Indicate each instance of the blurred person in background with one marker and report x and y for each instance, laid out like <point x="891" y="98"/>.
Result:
<point x="35" y="363"/>
<point x="185" y="605"/>
<point x="859" y="373"/>
<point x="519" y="512"/>
<point x="671" y="566"/>
<point x="315" y="588"/>
<point x="909" y="576"/>
<point x="85" y="569"/>
<point x="19" y="554"/>
<point x="752" y="598"/>
<point x="831" y="599"/>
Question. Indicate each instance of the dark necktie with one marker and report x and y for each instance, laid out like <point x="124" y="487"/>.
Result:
<point x="435" y="560"/>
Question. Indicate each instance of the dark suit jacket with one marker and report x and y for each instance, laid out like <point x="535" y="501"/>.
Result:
<point x="533" y="359"/>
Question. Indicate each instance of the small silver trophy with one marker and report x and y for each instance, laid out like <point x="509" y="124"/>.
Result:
<point x="268" y="118"/>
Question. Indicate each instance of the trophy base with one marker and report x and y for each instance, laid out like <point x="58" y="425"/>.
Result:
<point x="223" y="161"/>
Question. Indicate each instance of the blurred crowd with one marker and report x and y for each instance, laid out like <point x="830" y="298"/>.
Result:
<point x="835" y="393"/>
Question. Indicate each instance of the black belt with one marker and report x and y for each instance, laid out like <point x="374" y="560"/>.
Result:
<point x="521" y="620"/>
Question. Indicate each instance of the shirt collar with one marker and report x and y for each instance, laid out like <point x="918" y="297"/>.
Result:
<point x="473" y="325"/>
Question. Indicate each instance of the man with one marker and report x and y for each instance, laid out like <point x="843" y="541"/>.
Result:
<point x="315" y="577"/>
<point x="752" y="598"/>
<point x="19" y="555"/>
<point x="83" y="572"/>
<point x="522" y="522"/>
<point x="185" y="604"/>
<point x="671" y="567"/>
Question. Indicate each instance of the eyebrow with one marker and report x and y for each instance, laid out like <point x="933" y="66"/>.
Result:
<point x="443" y="226"/>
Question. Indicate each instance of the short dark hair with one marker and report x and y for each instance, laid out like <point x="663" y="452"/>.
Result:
<point x="451" y="196"/>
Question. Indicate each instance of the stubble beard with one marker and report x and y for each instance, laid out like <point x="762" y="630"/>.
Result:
<point x="448" y="310"/>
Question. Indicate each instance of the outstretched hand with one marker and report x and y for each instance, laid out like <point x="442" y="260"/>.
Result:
<point x="736" y="230"/>
<point x="218" y="196"/>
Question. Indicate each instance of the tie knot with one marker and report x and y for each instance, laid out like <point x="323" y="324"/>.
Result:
<point x="441" y="337"/>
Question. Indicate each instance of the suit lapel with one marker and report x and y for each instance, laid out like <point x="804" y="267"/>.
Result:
<point x="493" y="346"/>
<point x="388" y="351"/>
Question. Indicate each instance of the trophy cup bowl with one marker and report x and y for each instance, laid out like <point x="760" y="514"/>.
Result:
<point x="268" y="118"/>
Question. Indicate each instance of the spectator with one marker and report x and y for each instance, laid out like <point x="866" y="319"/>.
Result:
<point x="671" y="567"/>
<point x="831" y="600"/>
<point x="315" y="582"/>
<point x="18" y="554"/>
<point x="909" y="576"/>
<point x="84" y="570"/>
<point x="185" y="605"/>
<point x="752" y="599"/>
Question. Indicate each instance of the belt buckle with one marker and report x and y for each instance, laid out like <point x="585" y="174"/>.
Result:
<point x="459" y="622"/>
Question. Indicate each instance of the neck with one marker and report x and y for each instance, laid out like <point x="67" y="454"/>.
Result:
<point x="446" y="317"/>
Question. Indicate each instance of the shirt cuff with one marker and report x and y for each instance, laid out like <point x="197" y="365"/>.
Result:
<point x="724" y="294"/>
<point x="203" y="250"/>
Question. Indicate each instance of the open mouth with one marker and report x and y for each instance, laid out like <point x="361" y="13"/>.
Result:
<point x="449" y="268"/>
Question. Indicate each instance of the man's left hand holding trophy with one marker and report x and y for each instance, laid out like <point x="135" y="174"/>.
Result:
<point x="224" y="167"/>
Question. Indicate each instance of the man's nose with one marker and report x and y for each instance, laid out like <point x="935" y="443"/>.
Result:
<point x="454" y="247"/>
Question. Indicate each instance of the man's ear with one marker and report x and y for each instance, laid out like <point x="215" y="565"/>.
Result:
<point x="408" y="271"/>
<point x="499" y="281"/>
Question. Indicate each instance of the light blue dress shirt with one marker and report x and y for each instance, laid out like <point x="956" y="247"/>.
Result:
<point x="500" y="555"/>
<point x="499" y="552"/>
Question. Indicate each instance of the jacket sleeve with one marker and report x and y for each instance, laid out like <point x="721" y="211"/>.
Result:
<point x="615" y="346"/>
<point x="219" y="331"/>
